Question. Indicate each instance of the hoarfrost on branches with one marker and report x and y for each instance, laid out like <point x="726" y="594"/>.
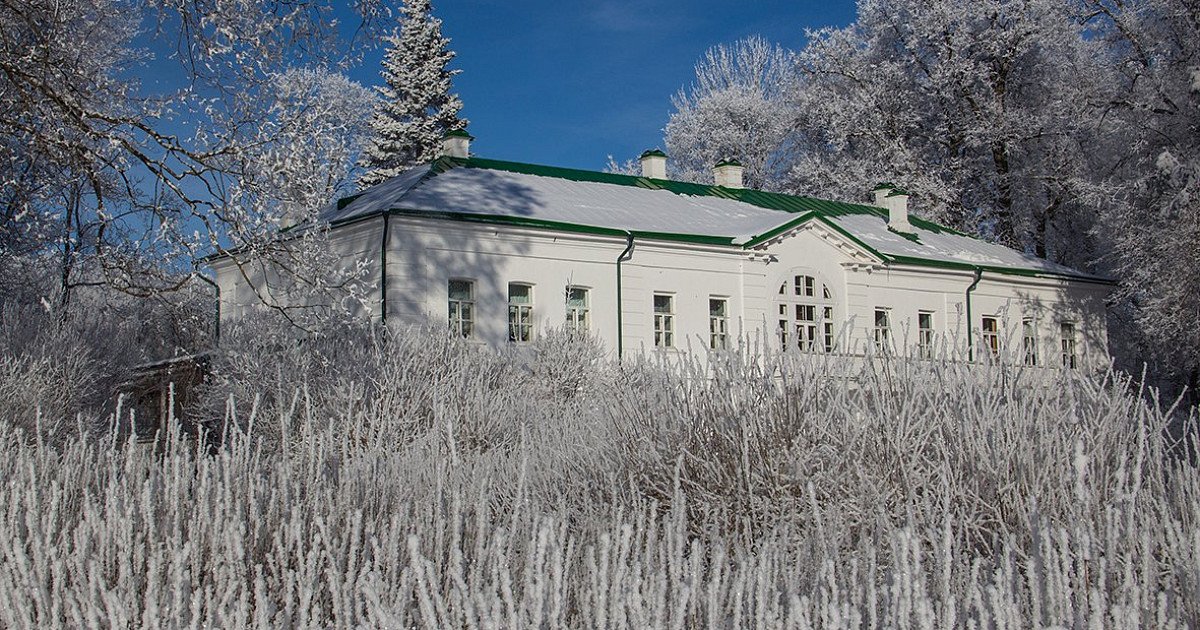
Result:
<point x="123" y="182"/>
<point x="736" y="109"/>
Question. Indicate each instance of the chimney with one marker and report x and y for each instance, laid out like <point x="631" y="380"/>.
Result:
<point x="654" y="164"/>
<point x="881" y="190"/>
<point x="728" y="173"/>
<point x="457" y="143"/>
<point x="896" y="203"/>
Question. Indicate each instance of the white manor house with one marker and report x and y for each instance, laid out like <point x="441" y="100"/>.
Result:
<point x="503" y="251"/>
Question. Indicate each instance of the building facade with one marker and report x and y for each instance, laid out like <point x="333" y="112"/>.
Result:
<point x="503" y="251"/>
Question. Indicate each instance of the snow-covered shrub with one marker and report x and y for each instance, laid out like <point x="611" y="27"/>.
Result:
<point x="413" y="480"/>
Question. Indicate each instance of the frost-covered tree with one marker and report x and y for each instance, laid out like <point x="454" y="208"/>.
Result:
<point x="983" y="110"/>
<point x="1152" y="217"/>
<point x="319" y="123"/>
<point x="417" y="108"/>
<point x="736" y="109"/>
<point x="128" y="181"/>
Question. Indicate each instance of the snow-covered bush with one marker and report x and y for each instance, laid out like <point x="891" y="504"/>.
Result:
<point x="413" y="480"/>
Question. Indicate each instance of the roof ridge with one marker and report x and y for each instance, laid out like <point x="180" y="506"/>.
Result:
<point x="768" y="200"/>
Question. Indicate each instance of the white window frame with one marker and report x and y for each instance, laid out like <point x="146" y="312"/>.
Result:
<point x="664" y="320"/>
<point x="926" y="335"/>
<point x="579" y="316"/>
<point x="718" y="323"/>
<point x="805" y="311"/>
<point x="1029" y="342"/>
<point x="461" y="311"/>
<point x="883" y="329"/>
<point x="990" y="337"/>
<point x="520" y="314"/>
<point x="1068" y="335"/>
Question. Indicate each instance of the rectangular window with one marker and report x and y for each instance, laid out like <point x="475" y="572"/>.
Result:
<point x="806" y="326"/>
<point x="827" y="322"/>
<point x="718" y="323"/>
<point x="805" y="286"/>
<point x="783" y="323"/>
<point x="991" y="336"/>
<point x="462" y="307"/>
<point x="664" y="321"/>
<point x="520" y="312"/>
<point x="1029" y="344"/>
<point x="578" y="310"/>
<point x="1067" y="335"/>
<point x="925" y="334"/>
<point x="883" y="330"/>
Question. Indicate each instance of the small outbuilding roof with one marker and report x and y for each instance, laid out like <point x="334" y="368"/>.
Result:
<point x="493" y="191"/>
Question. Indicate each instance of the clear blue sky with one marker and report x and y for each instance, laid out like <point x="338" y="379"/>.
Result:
<point x="565" y="83"/>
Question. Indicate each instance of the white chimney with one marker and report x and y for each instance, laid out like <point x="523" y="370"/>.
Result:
<point x="457" y="144"/>
<point x="881" y="191"/>
<point x="896" y="202"/>
<point x="728" y="173"/>
<point x="654" y="164"/>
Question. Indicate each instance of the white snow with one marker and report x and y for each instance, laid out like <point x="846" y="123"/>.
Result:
<point x="503" y="193"/>
<point x="613" y="206"/>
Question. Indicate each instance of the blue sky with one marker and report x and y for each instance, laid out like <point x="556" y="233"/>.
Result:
<point x="567" y="83"/>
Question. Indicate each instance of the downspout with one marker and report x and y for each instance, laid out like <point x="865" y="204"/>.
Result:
<point x="970" y="341"/>
<point x="217" y="309"/>
<point x="625" y="255"/>
<point x="383" y="284"/>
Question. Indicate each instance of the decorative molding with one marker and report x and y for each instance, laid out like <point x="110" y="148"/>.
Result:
<point x="868" y="267"/>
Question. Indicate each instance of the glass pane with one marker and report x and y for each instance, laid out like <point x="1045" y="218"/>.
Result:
<point x="662" y="304"/>
<point x="925" y="320"/>
<point x="716" y="308"/>
<point x="576" y="297"/>
<point x="460" y="289"/>
<point x="520" y="293"/>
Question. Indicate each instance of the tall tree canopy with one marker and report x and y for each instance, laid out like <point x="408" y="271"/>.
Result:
<point x="736" y="109"/>
<point x="137" y="135"/>
<point x="1151" y="178"/>
<point x="416" y="107"/>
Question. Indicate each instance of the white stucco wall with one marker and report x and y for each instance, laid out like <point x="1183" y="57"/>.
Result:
<point x="424" y="254"/>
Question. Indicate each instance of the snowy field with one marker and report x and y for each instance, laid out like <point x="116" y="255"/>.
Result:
<point x="423" y="482"/>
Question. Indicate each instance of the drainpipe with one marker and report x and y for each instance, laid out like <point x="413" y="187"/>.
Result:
<point x="217" y="315"/>
<point x="625" y="255"/>
<point x="383" y="244"/>
<point x="970" y="341"/>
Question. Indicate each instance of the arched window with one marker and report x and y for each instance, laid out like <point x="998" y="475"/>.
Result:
<point x="805" y="310"/>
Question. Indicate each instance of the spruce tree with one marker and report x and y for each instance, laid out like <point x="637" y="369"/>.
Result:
<point x="416" y="108"/>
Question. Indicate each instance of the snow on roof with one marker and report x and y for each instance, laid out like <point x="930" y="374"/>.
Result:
<point x="940" y="245"/>
<point x="471" y="188"/>
<point x="500" y="193"/>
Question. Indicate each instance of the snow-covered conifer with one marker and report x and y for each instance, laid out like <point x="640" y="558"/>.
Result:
<point x="417" y="108"/>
